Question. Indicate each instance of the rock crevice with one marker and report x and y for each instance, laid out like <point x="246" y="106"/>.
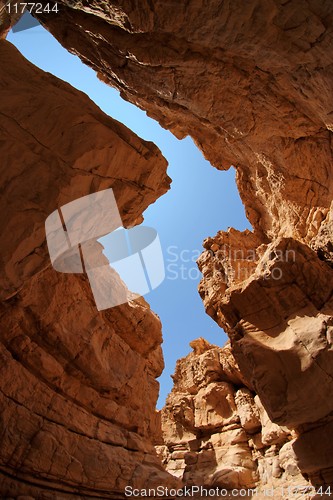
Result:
<point x="78" y="387"/>
<point x="216" y="432"/>
<point x="252" y="84"/>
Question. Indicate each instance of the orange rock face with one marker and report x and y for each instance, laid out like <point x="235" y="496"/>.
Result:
<point x="77" y="386"/>
<point x="78" y="390"/>
<point x="217" y="433"/>
<point x="251" y="82"/>
<point x="50" y="126"/>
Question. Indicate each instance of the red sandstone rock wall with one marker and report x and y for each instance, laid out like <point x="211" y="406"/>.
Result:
<point x="77" y="386"/>
<point x="251" y="82"/>
<point x="59" y="147"/>
<point x="216" y="432"/>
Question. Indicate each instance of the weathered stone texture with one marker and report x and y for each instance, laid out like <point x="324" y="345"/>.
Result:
<point x="219" y="434"/>
<point x="78" y="387"/>
<point x="59" y="146"/>
<point x="251" y="82"/>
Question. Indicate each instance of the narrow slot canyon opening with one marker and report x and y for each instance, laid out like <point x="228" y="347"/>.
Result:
<point x="251" y="83"/>
<point x="202" y="201"/>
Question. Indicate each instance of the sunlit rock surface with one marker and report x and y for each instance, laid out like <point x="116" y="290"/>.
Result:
<point x="216" y="433"/>
<point x="251" y="82"/>
<point x="59" y="146"/>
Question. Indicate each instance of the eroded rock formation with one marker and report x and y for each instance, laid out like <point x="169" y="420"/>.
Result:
<point x="251" y="82"/>
<point x="47" y="128"/>
<point x="77" y="386"/>
<point x="216" y="432"/>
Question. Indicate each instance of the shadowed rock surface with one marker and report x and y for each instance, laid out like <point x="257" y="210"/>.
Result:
<point x="77" y="386"/>
<point x="249" y="81"/>
<point x="57" y="147"/>
<point x="8" y="18"/>
<point x="252" y="84"/>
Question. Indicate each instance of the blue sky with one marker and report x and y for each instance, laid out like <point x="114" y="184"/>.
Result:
<point x="201" y="202"/>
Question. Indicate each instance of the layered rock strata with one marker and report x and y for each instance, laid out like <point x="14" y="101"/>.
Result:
<point x="252" y="84"/>
<point x="279" y="318"/>
<point x="217" y="434"/>
<point x="58" y="146"/>
<point x="78" y="387"/>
